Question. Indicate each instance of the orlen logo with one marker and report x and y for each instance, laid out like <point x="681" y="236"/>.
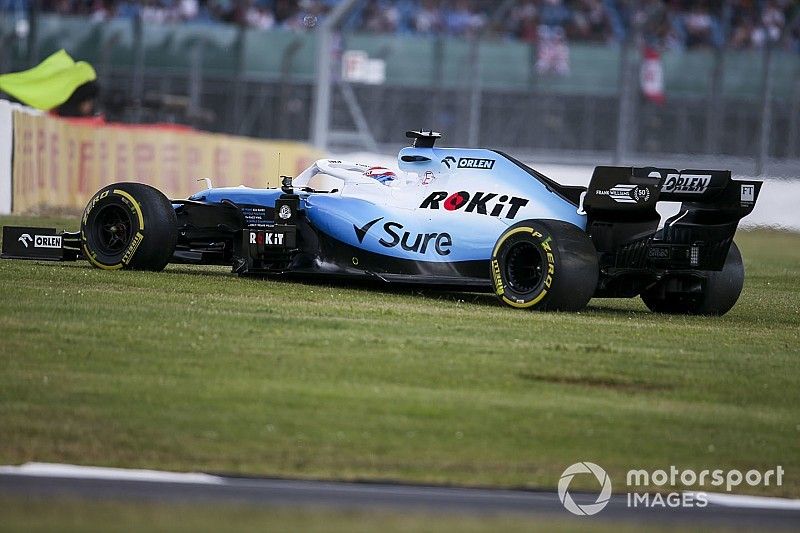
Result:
<point x="476" y="163"/>
<point x="47" y="241"/>
<point x="686" y="183"/>
<point x="25" y="238"/>
<point x="483" y="203"/>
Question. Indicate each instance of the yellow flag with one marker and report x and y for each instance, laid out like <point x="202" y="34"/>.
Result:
<point x="50" y="83"/>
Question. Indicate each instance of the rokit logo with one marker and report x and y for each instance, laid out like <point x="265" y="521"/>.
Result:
<point x="419" y="243"/>
<point x="686" y="183"/>
<point x="476" y="163"/>
<point x="266" y="238"/>
<point x="483" y="203"/>
<point x="627" y="194"/>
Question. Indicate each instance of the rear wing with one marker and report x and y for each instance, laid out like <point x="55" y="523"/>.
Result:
<point x="620" y="204"/>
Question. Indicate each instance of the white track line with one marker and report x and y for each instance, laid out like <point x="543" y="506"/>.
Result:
<point x="66" y="471"/>
<point x="98" y="472"/>
<point x="56" y="470"/>
<point x="749" y="502"/>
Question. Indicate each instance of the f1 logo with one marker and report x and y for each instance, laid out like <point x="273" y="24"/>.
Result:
<point x="748" y="193"/>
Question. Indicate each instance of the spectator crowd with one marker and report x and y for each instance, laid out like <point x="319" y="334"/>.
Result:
<point x="665" y="24"/>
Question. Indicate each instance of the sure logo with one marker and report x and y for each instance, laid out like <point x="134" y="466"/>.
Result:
<point x="482" y="203"/>
<point x="439" y="242"/>
<point x="686" y="183"/>
<point x="420" y="243"/>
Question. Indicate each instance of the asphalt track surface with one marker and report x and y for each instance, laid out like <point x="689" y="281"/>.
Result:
<point x="163" y="487"/>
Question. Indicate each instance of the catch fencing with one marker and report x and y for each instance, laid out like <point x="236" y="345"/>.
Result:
<point x="726" y="103"/>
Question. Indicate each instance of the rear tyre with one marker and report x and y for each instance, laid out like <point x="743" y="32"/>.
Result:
<point x="545" y="265"/>
<point x="129" y="225"/>
<point x="718" y="293"/>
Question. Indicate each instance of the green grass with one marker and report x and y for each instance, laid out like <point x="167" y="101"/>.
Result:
<point x="196" y="369"/>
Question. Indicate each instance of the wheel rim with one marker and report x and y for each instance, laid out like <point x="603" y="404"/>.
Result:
<point x="524" y="270"/>
<point x="113" y="229"/>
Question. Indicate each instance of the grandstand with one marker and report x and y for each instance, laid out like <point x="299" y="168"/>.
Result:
<point x="674" y="24"/>
<point x="555" y="77"/>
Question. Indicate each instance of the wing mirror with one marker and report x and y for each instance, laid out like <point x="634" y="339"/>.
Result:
<point x="415" y="159"/>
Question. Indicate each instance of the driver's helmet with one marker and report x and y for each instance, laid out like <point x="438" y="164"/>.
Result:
<point x="381" y="174"/>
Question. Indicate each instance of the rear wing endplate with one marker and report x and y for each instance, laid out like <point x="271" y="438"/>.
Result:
<point x="620" y="204"/>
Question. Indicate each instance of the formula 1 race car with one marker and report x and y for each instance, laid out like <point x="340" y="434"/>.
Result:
<point x="463" y="219"/>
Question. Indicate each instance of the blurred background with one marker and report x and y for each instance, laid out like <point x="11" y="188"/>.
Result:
<point x="590" y="81"/>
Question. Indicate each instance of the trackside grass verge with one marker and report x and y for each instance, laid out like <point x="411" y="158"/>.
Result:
<point x="196" y="369"/>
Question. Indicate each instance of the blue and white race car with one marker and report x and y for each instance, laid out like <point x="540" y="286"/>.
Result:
<point x="463" y="219"/>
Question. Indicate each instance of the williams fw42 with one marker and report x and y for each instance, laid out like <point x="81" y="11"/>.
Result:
<point x="472" y="220"/>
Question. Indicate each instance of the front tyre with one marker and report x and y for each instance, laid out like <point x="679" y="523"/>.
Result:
<point x="129" y="225"/>
<point x="717" y="293"/>
<point x="545" y="265"/>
